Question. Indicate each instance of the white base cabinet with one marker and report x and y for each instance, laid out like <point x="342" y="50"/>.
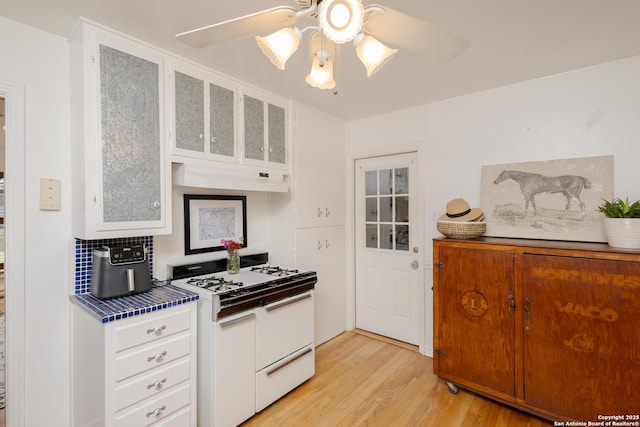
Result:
<point x="136" y="371"/>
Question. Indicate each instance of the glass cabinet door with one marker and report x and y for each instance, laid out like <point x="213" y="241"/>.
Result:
<point x="189" y="112"/>
<point x="130" y="115"/>
<point x="277" y="134"/>
<point x="253" y="128"/>
<point x="221" y="119"/>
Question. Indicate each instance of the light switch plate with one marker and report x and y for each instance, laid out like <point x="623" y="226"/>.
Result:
<point x="50" y="194"/>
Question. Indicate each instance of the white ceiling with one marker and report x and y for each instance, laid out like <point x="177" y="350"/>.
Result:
<point x="511" y="41"/>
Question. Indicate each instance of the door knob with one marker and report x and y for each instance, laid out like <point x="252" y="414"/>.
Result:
<point x="414" y="265"/>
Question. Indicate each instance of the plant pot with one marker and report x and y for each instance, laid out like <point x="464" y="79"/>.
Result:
<point x="622" y="232"/>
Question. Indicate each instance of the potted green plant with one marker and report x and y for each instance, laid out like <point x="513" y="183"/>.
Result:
<point x="622" y="222"/>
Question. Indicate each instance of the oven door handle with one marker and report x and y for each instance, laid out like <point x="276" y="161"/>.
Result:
<point x="281" y="304"/>
<point x="290" y="361"/>
<point x="236" y="320"/>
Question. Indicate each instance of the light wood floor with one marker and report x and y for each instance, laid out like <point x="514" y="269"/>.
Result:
<point x="363" y="381"/>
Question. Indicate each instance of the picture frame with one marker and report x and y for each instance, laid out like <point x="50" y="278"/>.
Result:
<point x="560" y="205"/>
<point x="210" y="218"/>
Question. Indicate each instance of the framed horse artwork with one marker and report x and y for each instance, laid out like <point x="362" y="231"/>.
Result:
<point x="552" y="199"/>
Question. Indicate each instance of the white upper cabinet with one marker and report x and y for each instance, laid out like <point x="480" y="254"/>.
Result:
<point x="319" y="169"/>
<point x="120" y="173"/>
<point x="202" y="114"/>
<point x="265" y="130"/>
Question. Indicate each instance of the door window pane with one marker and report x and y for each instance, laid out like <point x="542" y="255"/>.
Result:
<point x="386" y="181"/>
<point x="386" y="209"/>
<point x="372" y="236"/>
<point x="371" y="183"/>
<point x="402" y="209"/>
<point x="386" y="236"/>
<point x="402" y="237"/>
<point x="402" y="181"/>
<point x="372" y="209"/>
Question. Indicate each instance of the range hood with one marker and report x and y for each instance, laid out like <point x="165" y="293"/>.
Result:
<point x="228" y="178"/>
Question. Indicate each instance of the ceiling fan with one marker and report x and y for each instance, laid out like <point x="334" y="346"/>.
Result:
<point x="333" y="23"/>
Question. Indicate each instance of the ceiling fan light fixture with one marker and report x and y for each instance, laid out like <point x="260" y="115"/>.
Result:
<point x="321" y="74"/>
<point x="279" y="46"/>
<point x="341" y="20"/>
<point x="373" y="54"/>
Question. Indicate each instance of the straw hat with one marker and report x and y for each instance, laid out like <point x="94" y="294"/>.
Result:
<point x="459" y="210"/>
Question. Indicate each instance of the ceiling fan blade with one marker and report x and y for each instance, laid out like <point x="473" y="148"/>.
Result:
<point x="406" y="32"/>
<point x="239" y="27"/>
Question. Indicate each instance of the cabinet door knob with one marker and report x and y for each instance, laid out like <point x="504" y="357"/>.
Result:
<point x="156" y="205"/>
<point x="262" y="149"/>
<point x="319" y="213"/>
<point x="319" y="245"/>
<point x="158" y="357"/>
<point x="327" y="212"/>
<point x="157" y="330"/>
<point x="157" y="412"/>
<point x="157" y="385"/>
<point x="270" y="150"/>
<point x="201" y="136"/>
<point x="214" y="139"/>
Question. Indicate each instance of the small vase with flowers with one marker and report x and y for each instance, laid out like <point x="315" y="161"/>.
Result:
<point x="233" y="258"/>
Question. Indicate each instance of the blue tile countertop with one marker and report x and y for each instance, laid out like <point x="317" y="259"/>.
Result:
<point x="158" y="298"/>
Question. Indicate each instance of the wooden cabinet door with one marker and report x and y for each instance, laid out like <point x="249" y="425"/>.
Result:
<point x="581" y="336"/>
<point x="474" y="323"/>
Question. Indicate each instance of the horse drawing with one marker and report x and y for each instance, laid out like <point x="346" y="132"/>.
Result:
<point x="532" y="184"/>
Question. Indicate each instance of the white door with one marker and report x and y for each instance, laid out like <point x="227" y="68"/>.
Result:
<point x="388" y="289"/>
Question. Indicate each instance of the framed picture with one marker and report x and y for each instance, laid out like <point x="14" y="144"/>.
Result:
<point x="553" y="199"/>
<point x="209" y="219"/>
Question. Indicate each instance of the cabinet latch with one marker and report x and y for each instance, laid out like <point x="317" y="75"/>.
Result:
<point x="263" y="175"/>
<point x="439" y="265"/>
<point x="438" y="351"/>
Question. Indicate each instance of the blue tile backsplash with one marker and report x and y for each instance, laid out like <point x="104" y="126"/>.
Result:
<point x="108" y="310"/>
<point x="84" y="250"/>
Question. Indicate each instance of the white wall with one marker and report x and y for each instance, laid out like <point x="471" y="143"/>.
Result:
<point x="40" y="61"/>
<point x="588" y="112"/>
<point x="169" y="249"/>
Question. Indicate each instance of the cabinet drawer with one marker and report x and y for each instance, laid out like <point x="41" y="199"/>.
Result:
<point x="182" y="418"/>
<point x="150" y="329"/>
<point x="155" y="409"/>
<point x="151" y="383"/>
<point x="283" y="327"/>
<point x="278" y="379"/>
<point x="159" y="353"/>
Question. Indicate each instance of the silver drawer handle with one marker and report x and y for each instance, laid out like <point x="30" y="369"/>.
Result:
<point x="157" y="330"/>
<point x="238" y="320"/>
<point x="277" y="368"/>
<point x="286" y="303"/>
<point x="157" y="412"/>
<point x="157" y="384"/>
<point x="158" y="357"/>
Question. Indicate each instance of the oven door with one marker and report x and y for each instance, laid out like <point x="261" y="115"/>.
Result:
<point x="283" y="327"/>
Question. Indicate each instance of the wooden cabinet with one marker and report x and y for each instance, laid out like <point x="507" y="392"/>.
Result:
<point x="135" y="371"/>
<point x="265" y="130"/>
<point x="120" y="175"/>
<point x="203" y="113"/>
<point x="549" y="327"/>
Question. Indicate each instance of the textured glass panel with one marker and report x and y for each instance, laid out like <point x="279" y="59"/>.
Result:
<point x="402" y="181"/>
<point x="189" y="113"/>
<point x="386" y="236"/>
<point x="222" y="139"/>
<point x="402" y="237"/>
<point x="386" y="183"/>
<point x="372" y="236"/>
<point x="386" y="209"/>
<point x="402" y="209"/>
<point x="277" y="135"/>
<point x="130" y="103"/>
<point x="253" y="128"/>
<point x="371" y="183"/>
<point x="372" y="209"/>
